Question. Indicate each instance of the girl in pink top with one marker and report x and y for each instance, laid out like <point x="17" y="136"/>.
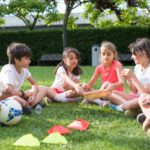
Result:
<point x="110" y="72"/>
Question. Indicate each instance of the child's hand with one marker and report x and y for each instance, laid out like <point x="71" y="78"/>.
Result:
<point x="31" y="98"/>
<point x="66" y="86"/>
<point x="104" y="85"/>
<point x="27" y="94"/>
<point x="128" y="73"/>
<point x="145" y="100"/>
<point x="86" y="86"/>
<point x="79" y="90"/>
<point x="109" y="86"/>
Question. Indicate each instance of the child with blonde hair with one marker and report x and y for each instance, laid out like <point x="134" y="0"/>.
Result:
<point x="110" y="72"/>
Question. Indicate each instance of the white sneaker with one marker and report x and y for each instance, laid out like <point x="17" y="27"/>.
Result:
<point x="97" y="101"/>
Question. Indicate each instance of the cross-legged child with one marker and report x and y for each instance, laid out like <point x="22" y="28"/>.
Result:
<point x="16" y="72"/>
<point x="110" y="72"/>
<point x="66" y="86"/>
<point x="139" y="81"/>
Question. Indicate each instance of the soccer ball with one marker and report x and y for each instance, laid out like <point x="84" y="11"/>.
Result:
<point x="10" y="111"/>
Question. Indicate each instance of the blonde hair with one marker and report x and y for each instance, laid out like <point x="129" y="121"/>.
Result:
<point x="111" y="47"/>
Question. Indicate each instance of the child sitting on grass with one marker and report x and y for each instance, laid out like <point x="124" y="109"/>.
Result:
<point x="13" y="75"/>
<point x="66" y="87"/>
<point x="139" y="81"/>
<point x="110" y="72"/>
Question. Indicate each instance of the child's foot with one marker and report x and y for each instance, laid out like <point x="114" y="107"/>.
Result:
<point x="98" y="101"/>
<point x="106" y="103"/>
<point x="26" y="110"/>
<point x="116" y="107"/>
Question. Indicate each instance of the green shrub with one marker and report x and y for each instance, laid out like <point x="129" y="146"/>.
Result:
<point x="50" y="41"/>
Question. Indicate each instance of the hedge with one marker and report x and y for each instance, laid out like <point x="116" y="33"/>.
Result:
<point x="50" y="41"/>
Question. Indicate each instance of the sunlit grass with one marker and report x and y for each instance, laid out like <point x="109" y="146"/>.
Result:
<point x="108" y="130"/>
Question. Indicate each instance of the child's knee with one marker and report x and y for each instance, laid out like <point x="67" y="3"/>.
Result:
<point x="43" y="89"/>
<point x="20" y="100"/>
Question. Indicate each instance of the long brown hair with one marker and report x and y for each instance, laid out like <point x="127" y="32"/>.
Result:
<point x="77" y="70"/>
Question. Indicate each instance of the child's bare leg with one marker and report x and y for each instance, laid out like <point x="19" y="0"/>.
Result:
<point x="126" y="96"/>
<point x="116" y="99"/>
<point x="20" y="100"/>
<point x="146" y="110"/>
<point x="132" y="104"/>
<point x="42" y="92"/>
<point x="51" y="93"/>
<point x="71" y="94"/>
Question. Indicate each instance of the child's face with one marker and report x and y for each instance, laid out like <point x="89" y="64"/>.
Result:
<point x="107" y="56"/>
<point x="71" y="61"/>
<point x="139" y="57"/>
<point x="23" y="63"/>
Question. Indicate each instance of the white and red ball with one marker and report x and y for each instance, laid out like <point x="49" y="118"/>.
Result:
<point x="10" y="111"/>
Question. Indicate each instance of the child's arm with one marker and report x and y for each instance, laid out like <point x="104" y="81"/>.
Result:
<point x="71" y="83"/>
<point x="66" y="86"/>
<point x="113" y="86"/>
<point x="93" y="79"/>
<point x="131" y="85"/>
<point x="11" y="91"/>
<point x="34" y="89"/>
<point x="120" y="78"/>
<point x="141" y="88"/>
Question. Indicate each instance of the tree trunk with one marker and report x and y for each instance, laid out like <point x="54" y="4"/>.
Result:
<point x="65" y="22"/>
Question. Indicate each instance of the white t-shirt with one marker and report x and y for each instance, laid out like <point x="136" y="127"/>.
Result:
<point x="2" y="88"/>
<point x="9" y="75"/>
<point x="142" y="75"/>
<point x="59" y="81"/>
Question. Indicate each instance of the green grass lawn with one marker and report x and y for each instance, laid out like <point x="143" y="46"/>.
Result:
<point x="108" y="130"/>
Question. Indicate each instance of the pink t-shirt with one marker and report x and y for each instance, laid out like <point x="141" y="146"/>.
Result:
<point x="109" y="74"/>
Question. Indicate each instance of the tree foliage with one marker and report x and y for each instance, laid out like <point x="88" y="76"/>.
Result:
<point x="101" y="12"/>
<point x="30" y="11"/>
<point x="2" y="12"/>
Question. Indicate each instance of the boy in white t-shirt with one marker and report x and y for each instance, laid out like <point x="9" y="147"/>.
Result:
<point x="14" y="74"/>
